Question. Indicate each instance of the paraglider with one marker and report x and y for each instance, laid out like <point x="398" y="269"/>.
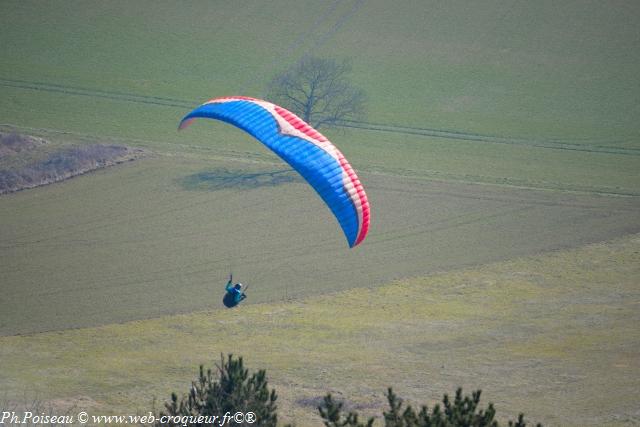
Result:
<point x="309" y="152"/>
<point x="235" y="293"/>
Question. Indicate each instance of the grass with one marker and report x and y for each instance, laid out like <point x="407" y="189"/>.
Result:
<point x="582" y="168"/>
<point x="548" y="335"/>
<point x="153" y="244"/>
<point x="550" y="88"/>
<point x="507" y="68"/>
<point x="523" y="72"/>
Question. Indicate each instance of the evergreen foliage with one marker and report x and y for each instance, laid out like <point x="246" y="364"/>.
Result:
<point x="461" y="412"/>
<point x="331" y="413"/>
<point x="231" y="391"/>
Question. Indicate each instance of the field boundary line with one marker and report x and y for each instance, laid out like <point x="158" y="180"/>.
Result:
<point x="246" y="157"/>
<point x="554" y="144"/>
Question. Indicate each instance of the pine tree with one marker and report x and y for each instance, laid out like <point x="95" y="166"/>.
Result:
<point x="462" y="412"/>
<point x="230" y="392"/>
<point x="331" y="413"/>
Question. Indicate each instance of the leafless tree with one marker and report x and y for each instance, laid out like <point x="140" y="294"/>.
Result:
<point x="318" y="90"/>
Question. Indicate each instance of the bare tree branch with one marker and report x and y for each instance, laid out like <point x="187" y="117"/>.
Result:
<point x="318" y="90"/>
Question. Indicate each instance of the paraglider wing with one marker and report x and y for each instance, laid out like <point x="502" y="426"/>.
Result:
<point x="319" y="162"/>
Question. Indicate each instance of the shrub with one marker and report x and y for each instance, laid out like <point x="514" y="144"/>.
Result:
<point x="231" y="391"/>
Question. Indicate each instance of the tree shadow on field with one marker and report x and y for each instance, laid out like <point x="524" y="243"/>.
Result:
<point x="222" y="179"/>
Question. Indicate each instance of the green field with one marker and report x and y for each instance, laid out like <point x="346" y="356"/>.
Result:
<point x="553" y="335"/>
<point x="511" y="68"/>
<point x="496" y="132"/>
<point x="155" y="242"/>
